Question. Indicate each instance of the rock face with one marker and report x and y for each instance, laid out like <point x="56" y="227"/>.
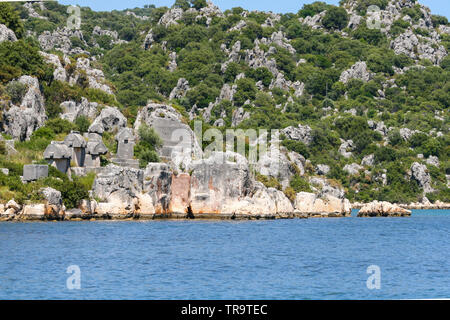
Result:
<point x="275" y="163"/>
<point x="322" y="169"/>
<point x="433" y="160"/>
<point x="73" y="110"/>
<point x="21" y="121"/>
<point x="180" y="90"/>
<point x="60" y="72"/>
<point x="323" y="188"/>
<point x="119" y="186"/>
<point x="95" y="77"/>
<point x="216" y="181"/>
<point x="327" y="206"/>
<point x="352" y="169"/>
<point x="315" y="21"/>
<point x="171" y="17"/>
<point x="419" y="172"/>
<point x="382" y="209"/>
<point x="6" y="34"/>
<point x="419" y="47"/>
<point x="98" y="31"/>
<point x="54" y="205"/>
<point x="345" y="148"/>
<point x="239" y="115"/>
<point x="60" y="40"/>
<point x="32" y="12"/>
<point x="357" y="71"/>
<point x="368" y="160"/>
<point x="218" y="187"/>
<point x="110" y="118"/>
<point x="180" y="145"/>
<point x="300" y="133"/>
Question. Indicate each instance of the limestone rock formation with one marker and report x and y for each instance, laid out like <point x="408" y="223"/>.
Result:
<point x="368" y="160"/>
<point x="180" y="90"/>
<point x="73" y="110"/>
<point x="21" y="121"/>
<point x="6" y="34"/>
<point x="239" y="115"/>
<point x="346" y="147"/>
<point x="54" y="204"/>
<point x="148" y="40"/>
<point x="32" y="12"/>
<point x="275" y="163"/>
<point x="433" y="160"/>
<point x="352" y="169"/>
<point x="60" y="73"/>
<point x="382" y="209"/>
<point x="119" y="186"/>
<point x="110" y="118"/>
<point x="419" y="172"/>
<point x="60" y="40"/>
<point x="180" y="145"/>
<point x="357" y="71"/>
<point x="315" y="21"/>
<point x="322" y="169"/>
<point x="220" y="186"/>
<point x="171" y="17"/>
<point x="300" y="133"/>
<point x="95" y="77"/>
<point x="315" y="206"/>
<point x="323" y="187"/>
<point x="98" y="31"/>
<point x="419" y="47"/>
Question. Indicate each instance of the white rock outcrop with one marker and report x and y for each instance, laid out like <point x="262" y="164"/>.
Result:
<point x="21" y="121"/>
<point x="357" y="71"/>
<point x="6" y="34"/>
<point x="382" y="209"/>
<point x="327" y="206"/>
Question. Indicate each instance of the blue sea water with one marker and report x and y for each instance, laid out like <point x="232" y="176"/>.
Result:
<point x="283" y="259"/>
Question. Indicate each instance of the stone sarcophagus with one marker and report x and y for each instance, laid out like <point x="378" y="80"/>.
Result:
<point x="58" y="155"/>
<point x="33" y="172"/>
<point x="77" y="143"/>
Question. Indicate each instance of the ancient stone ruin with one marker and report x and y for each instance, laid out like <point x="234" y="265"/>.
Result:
<point x="78" y="154"/>
<point x="58" y="155"/>
<point x="33" y="172"/>
<point x="95" y="147"/>
<point x="76" y="142"/>
<point x="125" y="149"/>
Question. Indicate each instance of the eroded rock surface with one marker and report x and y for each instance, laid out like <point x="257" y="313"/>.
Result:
<point x="382" y="209"/>
<point x="21" y="121"/>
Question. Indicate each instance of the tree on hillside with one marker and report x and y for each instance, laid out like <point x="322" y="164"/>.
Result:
<point x="10" y="18"/>
<point x="335" y="18"/>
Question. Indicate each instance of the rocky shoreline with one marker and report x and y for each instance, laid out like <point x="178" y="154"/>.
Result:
<point x="12" y="212"/>
<point x="438" y="205"/>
